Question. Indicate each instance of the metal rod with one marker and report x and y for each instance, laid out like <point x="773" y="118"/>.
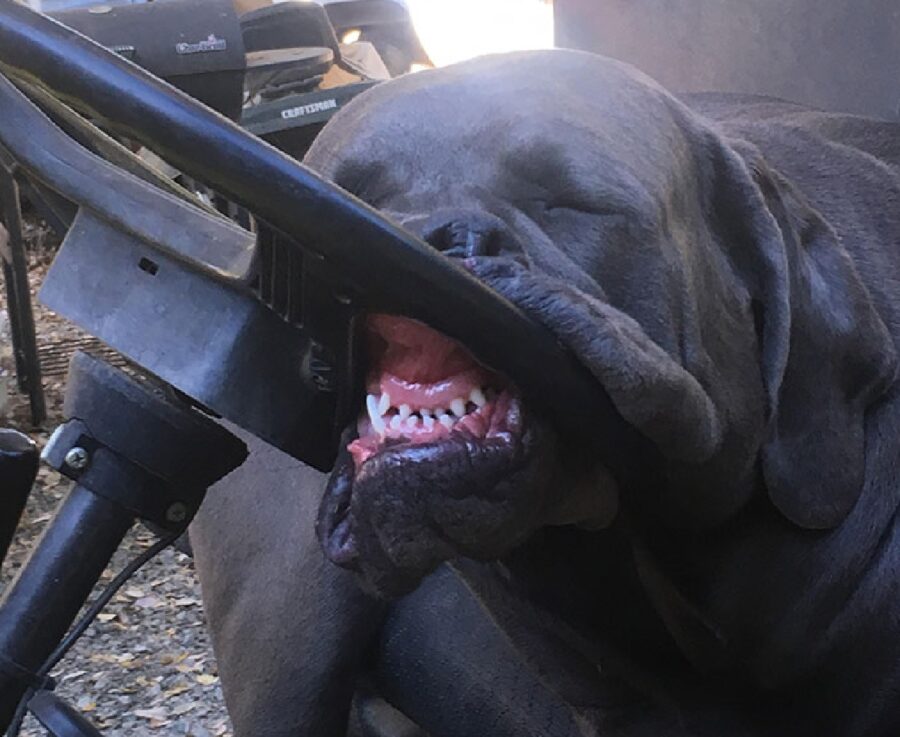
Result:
<point x="28" y="365"/>
<point x="43" y="601"/>
<point x="9" y="278"/>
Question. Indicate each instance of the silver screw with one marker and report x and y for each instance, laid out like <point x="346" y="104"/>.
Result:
<point x="178" y="512"/>
<point x="77" y="459"/>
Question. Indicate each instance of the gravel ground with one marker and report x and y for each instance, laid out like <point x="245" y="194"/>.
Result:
<point x="146" y="666"/>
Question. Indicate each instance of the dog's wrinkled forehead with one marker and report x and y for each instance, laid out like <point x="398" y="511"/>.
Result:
<point x="533" y="125"/>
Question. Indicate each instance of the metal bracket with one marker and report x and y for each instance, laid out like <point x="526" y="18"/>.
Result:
<point x="133" y="443"/>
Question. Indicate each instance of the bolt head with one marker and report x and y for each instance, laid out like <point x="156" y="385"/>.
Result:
<point x="177" y="512"/>
<point x="77" y="459"/>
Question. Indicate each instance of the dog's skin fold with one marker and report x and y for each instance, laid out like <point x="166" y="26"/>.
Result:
<point x="728" y="270"/>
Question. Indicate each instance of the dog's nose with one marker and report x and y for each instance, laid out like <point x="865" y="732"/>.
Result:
<point x="463" y="233"/>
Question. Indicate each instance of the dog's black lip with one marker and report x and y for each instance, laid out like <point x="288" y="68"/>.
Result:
<point x="336" y="524"/>
<point x="342" y="544"/>
<point x="400" y="514"/>
<point x="336" y="508"/>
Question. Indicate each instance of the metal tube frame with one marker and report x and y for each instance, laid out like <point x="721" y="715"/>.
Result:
<point x="43" y="601"/>
<point x="21" y="315"/>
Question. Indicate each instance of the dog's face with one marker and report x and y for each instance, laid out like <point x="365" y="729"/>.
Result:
<point x="587" y="195"/>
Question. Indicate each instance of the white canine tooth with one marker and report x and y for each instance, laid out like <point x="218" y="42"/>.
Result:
<point x="446" y="421"/>
<point x="405" y="411"/>
<point x="374" y="415"/>
<point x="384" y="404"/>
<point x="411" y="422"/>
<point x="396" y="422"/>
<point x="428" y="422"/>
<point x="425" y="412"/>
<point x="458" y="407"/>
<point x="477" y="397"/>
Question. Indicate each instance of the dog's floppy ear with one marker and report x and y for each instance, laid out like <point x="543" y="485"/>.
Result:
<point x="826" y="355"/>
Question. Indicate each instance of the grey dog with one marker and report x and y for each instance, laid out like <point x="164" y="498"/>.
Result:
<point x="728" y="269"/>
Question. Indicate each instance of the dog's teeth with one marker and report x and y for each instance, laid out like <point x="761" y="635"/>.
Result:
<point x="411" y="422"/>
<point x="438" y="411"/>
<point x="396" y="422"/>
<point x="374" y="415"/>
<point x="384" y="404"/>
<point x="428" y="422"/>
<point x="477" y="397"/>
<point x="425" y="412"/>
<point x="446" y="421"/>
<point x="405" y="411"/>
<point x="458" y="406"/>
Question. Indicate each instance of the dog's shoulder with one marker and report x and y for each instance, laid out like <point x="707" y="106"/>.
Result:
<point x="787" y="130"/>
<point x="730" y="107"/>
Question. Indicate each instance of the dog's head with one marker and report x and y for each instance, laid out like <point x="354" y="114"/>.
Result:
<point x="718" y="310"/>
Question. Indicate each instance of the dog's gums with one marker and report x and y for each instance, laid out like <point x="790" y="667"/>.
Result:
<point x="423" y="387"/>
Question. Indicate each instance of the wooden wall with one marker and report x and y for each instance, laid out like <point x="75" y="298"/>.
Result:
<point x="837" y="54"/>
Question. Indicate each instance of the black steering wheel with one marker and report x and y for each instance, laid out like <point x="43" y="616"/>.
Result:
<point x="255" y="324"/>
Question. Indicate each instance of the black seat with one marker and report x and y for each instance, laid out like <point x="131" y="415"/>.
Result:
<point x="288" y="25"/>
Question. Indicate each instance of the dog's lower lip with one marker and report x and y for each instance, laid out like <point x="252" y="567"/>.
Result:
<point x="342" y="549"/>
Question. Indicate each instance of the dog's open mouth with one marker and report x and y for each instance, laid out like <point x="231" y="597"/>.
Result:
<point x="424" y="387"/>
<point x="443" y="461"/>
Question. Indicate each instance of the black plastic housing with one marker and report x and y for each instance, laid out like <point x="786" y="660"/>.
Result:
<point x="196" y="46"/>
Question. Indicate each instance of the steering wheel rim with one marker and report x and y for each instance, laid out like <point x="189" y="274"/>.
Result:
<point x="386" y="275"/>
